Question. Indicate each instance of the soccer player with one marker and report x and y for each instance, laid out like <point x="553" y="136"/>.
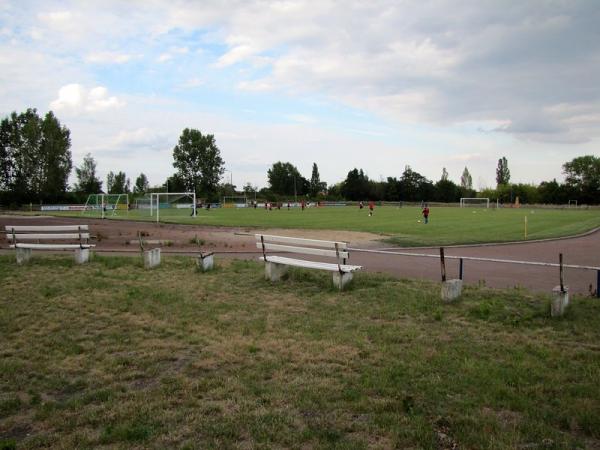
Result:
<point x="425" y="213"/>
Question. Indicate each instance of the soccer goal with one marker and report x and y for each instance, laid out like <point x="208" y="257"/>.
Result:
<point x="572" y="203"/>
<point x="482" y="202"/>
<point x="235" y="202"/>
<point x="106" y="204"/>
<point x="172" y="200"/>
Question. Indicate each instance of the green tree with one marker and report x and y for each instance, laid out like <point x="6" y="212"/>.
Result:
<point x="583" y="177"/>
<point x="502" y="172"/>
<point x="316" y="185"/>
<point x="174" y="184"/>
<point x="414" y="186"/>
<point x="35" y="160"/>
<point x="141" y="184"/>
<point x="120" y="184"/>
<point x="110" y="182"/>
<point x="7" y="151"/>
<point x="466" y="180"/>
<point x="55" y="146"/>
<point x="444" y="174"/>
<point x="356" y="185"/>
<point x="447" y="191"/>
<point x="284" y="179"/>
<point x="198" y="161"/>
<point x="87" y="180"/>
<point x="392" y="189"/>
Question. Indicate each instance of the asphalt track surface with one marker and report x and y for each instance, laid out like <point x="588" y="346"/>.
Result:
<point x="582" y="250"/>
<point x="234" y="243"/>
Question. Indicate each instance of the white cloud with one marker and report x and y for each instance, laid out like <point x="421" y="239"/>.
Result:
<point x="108" y="58"/>
<point x="76" y="98"/>
<point x="141" y="138"/>
<point x="172" y="53"/>
<point x="254" y="85"/>
<point x="193" y="83"/>
<point x="301" y="118"/>
<point x="456" y="81"/>
<point x="237" y="54"/>
<point x="465" y="157"/>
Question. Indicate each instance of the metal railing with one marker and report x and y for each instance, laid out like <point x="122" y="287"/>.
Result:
<point x="461" y="259"/>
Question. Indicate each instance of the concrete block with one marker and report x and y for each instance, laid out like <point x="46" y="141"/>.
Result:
<point x="274" y="271"/>
<point x="451" y="290"/>
<point x="205" y="264"/>
<point x="560" y="301"/>
<point x="340" y="280"/>
<point x="152" y="258"/>
<point x="82" y="255"/>
<point x="23" y="255"/>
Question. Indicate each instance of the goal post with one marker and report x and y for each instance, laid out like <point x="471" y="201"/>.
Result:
<point x="572" y="203"/>
<point x="171" y="199"/>
<point x="483" y="202"/>
<point x="106" y="204"/>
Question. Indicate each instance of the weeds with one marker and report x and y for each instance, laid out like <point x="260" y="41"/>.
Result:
<point x="109" y="354"/>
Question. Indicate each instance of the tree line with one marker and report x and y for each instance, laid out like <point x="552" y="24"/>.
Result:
<point x="35" y="164"/>
<point x="582" y="183"/>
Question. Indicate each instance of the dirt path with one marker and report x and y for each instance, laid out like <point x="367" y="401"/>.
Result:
<point x="121" y="236"/>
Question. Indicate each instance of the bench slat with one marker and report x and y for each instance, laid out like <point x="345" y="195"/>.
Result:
<point x="21" y="237"/>
<point x="51" y="246"/>
<point x="301" y="241"/>
<point x="310" y="264"/>
<point x="303" y="250"/>
<point x="31" y="228"/>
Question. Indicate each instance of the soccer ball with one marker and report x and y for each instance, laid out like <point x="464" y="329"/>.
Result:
<point x="419" y="221"/>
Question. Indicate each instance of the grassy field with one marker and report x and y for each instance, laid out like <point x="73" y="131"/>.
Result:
<point x="111" y="355"/>
<point x="400" y="225"/>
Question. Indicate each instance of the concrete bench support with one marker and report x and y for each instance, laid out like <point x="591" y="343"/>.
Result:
<point x="274" y="271"/>
<point x="205" y="263"/>
<point x="82" y="255"/>
<point x="340" y="280"/>
<point x="451" y="290"/>
<point x="23" y="255"/>
<point x="152" y="258"/>
<point x="560" y="301"/>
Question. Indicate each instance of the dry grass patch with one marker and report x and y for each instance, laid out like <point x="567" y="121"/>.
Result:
<point x="112" y="355"/>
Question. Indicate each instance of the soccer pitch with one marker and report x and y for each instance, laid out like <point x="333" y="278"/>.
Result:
<point x="402" y="226"/>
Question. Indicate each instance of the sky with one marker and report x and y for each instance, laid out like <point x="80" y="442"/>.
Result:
<point x="376" y="85"/>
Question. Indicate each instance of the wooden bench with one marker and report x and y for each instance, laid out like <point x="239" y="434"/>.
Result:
<point x="25" y="238"/>
<point x="276" y="266"/>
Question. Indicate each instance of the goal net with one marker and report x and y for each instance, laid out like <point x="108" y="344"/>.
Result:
<point x="474" y="202"/>
<point x="235" y="202"/>
<point x="172" y="203"/>
<point x="103" y="205"/>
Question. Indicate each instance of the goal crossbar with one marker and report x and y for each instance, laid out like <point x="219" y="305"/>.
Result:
<point x="106" y="202"/>
<point x="465" y="201"/>
<point x="157" y="195"/>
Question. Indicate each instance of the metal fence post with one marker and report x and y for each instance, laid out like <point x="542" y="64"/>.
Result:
<point x="460" y="269"/>
<point x="598" y="284"/>
<point x="443" y="263"/>
<point x="562" y="279"/>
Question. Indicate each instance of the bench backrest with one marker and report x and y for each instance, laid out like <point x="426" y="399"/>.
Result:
<point x="332" y="249"/>
<point x="20" y="233"/>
